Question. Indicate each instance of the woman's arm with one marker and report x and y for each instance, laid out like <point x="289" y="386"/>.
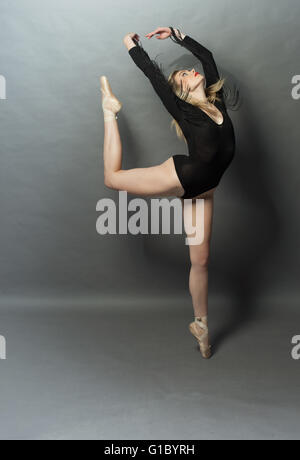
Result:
<point x="130" y="40"/>
<point x="179" y="34"/>
<point x="155" y="75"/>
<point x="204" y="55"/>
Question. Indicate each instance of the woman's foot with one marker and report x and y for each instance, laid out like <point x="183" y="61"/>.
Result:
<point x="199" y="330"/>
<point x="110" y="104"/>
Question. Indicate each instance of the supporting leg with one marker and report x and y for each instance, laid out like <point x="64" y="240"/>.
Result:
<point x="198" y="280"/>
<point x="199" y="256"/>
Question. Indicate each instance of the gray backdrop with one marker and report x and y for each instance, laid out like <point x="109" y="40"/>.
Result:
<point x="52" y="54"/>
<point x="52" y="137"/>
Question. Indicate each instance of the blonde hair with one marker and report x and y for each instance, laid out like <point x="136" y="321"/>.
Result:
<point x="211" y="94"/>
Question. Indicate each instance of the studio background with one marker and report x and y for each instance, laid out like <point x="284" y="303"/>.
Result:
<point x="51" y="177"/>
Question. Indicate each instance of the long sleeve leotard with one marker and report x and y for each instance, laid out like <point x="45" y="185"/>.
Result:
<point x="211" y="146"/>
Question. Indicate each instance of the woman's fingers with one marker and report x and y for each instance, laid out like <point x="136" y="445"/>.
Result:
<point x="156" y="31"/>
<point x="133" y="35"/>
<point x="162" y="32"/>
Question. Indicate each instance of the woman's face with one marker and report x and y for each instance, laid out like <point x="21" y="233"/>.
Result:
<point x="190" y="79"/>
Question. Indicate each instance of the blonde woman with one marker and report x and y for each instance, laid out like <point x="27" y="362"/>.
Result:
<point x="196" y="103"/>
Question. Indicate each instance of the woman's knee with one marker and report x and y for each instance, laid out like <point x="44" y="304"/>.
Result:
<point x="110" y="180"/>
<point x="200" y="256"/>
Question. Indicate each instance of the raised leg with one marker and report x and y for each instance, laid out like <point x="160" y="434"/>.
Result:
<point x="159" y="180"/>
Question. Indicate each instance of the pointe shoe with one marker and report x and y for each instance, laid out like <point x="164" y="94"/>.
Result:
<point x="110" y="104"/>
<point x="199" y="330"/>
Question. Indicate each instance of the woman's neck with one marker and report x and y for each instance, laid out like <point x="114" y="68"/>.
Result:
<point x="199" y="95"/>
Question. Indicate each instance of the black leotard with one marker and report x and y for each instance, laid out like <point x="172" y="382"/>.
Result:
<point x="211" y="147"/>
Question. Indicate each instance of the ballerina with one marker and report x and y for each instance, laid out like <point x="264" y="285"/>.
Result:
<point x="201" y="118"/>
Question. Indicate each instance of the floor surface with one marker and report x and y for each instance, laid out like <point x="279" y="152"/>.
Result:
<point x="120" y="373"/>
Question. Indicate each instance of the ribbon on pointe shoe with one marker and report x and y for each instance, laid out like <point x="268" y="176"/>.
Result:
<point x="205" y="348"/>
<point x="108" y="114"/>
<point x="202" y="323"/>
<point x="109" y="99"/>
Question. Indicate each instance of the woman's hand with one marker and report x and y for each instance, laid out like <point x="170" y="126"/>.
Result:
<point x="128" y="40"/>
<point x="162" y="32"/>
<point x="131" y="36"/>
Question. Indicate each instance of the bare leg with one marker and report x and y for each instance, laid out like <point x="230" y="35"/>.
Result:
<point x="199" y="256"/>
<point x="112" y="149"/>
<point x="198" y="280"/>
<point x="160" y="180"/>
